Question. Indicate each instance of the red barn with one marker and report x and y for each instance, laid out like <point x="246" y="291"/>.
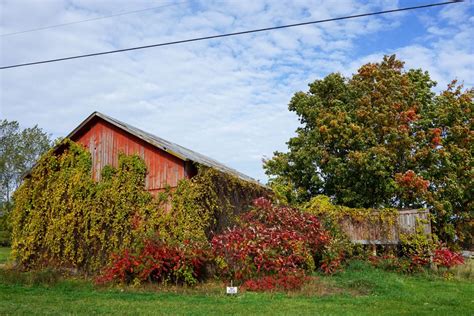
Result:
<point x="167" y="163"/>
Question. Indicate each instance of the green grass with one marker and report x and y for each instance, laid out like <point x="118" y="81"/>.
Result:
<point x="360" y="289"/>
<point x="4" y="254"/>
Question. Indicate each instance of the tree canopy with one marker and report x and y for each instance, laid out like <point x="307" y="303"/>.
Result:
<point x="383" y="138"/>
<point x="19" y="150"/>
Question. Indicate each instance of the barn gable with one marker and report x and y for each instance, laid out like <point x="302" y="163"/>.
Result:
<point x="167" y="163"/>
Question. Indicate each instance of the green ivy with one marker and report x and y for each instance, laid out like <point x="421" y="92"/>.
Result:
<point x="321" y="205"/>
<point x="207" y="203"/>
<point x="63" y="219"/>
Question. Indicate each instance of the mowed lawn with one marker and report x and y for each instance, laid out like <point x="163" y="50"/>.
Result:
<point x="359" y="290"/>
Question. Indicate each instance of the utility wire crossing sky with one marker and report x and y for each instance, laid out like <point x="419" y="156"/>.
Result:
<point x="230" y="34"/>
<point x="92" y="19"/>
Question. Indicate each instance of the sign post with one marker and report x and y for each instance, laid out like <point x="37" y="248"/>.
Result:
<point x="231" y="290"/>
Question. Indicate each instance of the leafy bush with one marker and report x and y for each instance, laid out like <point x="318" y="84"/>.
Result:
<point x="418" y="258"/>
<point x="415" y="253"/>
<point x="417" y="248"/>
<point x="157" y="262"/>
<point x="418" y="244"/>
<point x="385" y="262"/>
<point x="270" y="240"/>
<point x="331" y="261"/>
<point x="446" y="258"/>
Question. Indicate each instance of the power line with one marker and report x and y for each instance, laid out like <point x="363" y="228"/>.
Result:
<point x="228" y="34"/>
<point x="92" y="19"/>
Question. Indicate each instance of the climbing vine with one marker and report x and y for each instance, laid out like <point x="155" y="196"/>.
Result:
<point x="340" y="220"/>
<point x="64" y="219"/>
<point x="209" y="202"/>
<point x="321" y="205"/>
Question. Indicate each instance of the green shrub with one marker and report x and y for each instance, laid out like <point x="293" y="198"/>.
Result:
<point x="418" y="244"/>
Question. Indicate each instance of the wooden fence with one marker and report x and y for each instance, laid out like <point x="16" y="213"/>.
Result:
<point x="383" y="233"/>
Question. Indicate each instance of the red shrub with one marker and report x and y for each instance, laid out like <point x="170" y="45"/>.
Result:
<point x="330" y="265"/>
<point x="270" y="240"/>
<point x="291" y="219"/>
<point x="447" y="258"/>
<point x="122" y="269"/>
<point x="157" y="261"/>
<point x="419" y="261"/>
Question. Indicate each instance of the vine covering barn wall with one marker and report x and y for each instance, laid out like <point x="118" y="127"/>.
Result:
<point x="64" y="219"/>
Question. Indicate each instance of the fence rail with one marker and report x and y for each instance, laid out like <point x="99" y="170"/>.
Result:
<point x="383" y="233"/>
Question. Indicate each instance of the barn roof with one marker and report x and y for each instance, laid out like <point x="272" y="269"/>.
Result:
<point x="181" y="152"/>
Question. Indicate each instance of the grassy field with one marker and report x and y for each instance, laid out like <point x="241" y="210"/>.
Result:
<point x="4" y="254"/>
<point x="361" y="289"/>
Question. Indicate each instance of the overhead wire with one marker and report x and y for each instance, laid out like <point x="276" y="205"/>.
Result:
<point x="92" y="19"/>
<point x="228" y="34"/>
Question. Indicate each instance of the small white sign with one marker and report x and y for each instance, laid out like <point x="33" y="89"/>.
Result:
<point x="231" y="290"/>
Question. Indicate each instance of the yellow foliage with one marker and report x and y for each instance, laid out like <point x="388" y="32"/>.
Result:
<point x="62" y="218"/>
<point x="321" y="205"/>
<point x="208" y="203"/>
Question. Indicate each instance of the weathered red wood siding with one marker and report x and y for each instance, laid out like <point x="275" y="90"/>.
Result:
<point x="106" y="141"/>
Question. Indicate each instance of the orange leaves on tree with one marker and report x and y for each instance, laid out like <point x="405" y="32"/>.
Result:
<point x="411" y="184"/>
<point x="436" y="139"/>
<point x="409" y="115"/>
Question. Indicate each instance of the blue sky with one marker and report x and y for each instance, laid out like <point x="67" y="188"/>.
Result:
<point x="225" y="98"/>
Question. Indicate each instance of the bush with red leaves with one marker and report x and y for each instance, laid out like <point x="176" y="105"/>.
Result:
<point x="122" y="268"/>
<point x="157" y="262"/>
<point x="270" y="240"/>
<point x="442" y="257"/>
<point x="332" y="264"/>
<point x="446" y="258"/>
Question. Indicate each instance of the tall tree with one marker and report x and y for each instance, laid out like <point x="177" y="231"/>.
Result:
<point x="383" y="138"/>
<point x="19" y="149"/>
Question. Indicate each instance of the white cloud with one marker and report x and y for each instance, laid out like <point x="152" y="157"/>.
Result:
<point x="225" y="98"/>
<point x="446" y="52"/>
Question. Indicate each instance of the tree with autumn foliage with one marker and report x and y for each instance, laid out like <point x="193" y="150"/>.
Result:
<point x="382" y="138"/>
